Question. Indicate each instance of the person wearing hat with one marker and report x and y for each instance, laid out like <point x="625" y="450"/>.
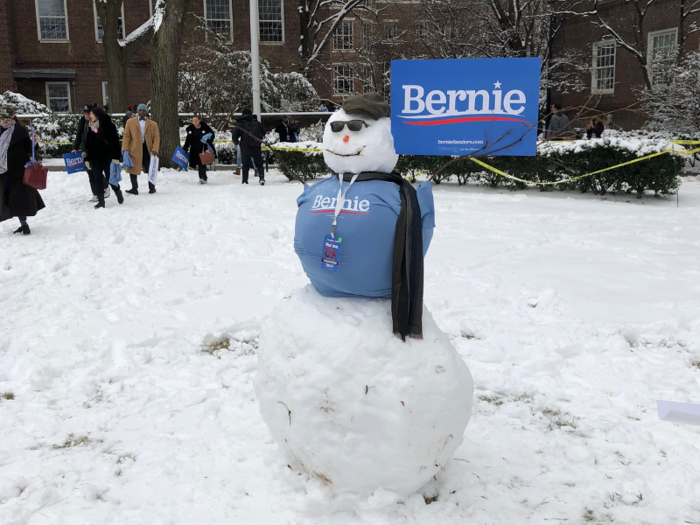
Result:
<point x="81" y="134"/>
<point x="249" y="134"/>
<point x="128" y="115"/>
<point x="16" y="199"/>
<point x="141" y="139"/>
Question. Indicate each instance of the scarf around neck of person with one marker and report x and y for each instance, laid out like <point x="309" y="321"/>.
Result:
<point x="95" y="125"/>
<point x="5" y="140"/>
<point x="407" y="263"/>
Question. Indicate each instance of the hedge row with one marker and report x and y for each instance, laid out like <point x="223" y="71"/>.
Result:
<point x="657" y="174"/>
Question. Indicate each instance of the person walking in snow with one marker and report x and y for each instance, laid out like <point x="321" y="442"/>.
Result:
<point x="16" y="199"/>
<point x="81" y="134"/>
<point x="101" y="150"/>
<point x="194" y="145"/>
<point x="127" y="115"/>
<point x="141" y="140"/>
<point x="249" y="134"/>
<point x="558" y="124"/>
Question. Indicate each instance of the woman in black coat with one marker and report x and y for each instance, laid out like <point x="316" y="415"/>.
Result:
<point x="16" y="199"/>
<point x="102" y="149"/>
<point x="194" y="146"/>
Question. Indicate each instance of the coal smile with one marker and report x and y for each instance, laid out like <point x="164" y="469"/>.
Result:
<point x="359" y="151"/>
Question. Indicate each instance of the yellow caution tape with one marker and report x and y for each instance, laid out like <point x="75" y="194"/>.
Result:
<point x="684" y="142"/>
<point x="639" y="159"/>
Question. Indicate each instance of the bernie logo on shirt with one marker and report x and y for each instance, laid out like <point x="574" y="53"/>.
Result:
<point x="354" y="206"/>
<point x="463" y="106"/>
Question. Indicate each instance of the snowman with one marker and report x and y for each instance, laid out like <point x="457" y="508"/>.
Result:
<point x="359" y="387"/>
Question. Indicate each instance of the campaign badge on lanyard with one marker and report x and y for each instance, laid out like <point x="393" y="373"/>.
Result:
<point x="331" y="243"/>
<point x="331" y="253"/>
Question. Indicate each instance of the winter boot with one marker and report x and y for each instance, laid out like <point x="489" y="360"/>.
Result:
<point x="100" y="201"/>
<point x="237" y="172"/>
<point x="24" y="229"/>
<point x="133" y="191"/>
<point x="119" y="194"/>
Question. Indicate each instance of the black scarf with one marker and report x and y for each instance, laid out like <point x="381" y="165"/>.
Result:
<point x="407" y="264"/>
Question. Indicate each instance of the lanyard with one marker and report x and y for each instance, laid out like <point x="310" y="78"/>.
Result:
<point x="340" y="200"/>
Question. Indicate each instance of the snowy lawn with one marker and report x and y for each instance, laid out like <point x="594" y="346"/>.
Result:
<point x="128" y="338"/>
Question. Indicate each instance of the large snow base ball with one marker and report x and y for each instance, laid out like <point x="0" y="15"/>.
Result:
<point x="351" y="404"/>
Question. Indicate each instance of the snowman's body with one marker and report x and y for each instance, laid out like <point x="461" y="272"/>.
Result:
<point x="346" y="400"/>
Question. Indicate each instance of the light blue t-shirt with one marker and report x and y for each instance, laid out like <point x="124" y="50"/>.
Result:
<point x="366" y="225"/>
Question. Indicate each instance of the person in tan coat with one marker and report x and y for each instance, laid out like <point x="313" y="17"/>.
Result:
<point x="141" y="139"/>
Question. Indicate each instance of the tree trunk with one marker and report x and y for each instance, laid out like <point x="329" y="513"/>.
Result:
<point x="165" y="61"/>
<point x="116" y="55"/>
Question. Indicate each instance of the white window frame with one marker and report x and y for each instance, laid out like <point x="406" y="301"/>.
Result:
<point x="367" y="36"/>
<point x="230" y="20"/>
<point x="421" y="27"/>
<point x="396" y="30"/>
<point x="351" y="35"/>
<point x="273" y="42"/>
<point x="97" y="32"/>
<point x="48" y="100"/>
<point x="38" y="25"/>
<point x="105" y="94"/>
<point x="368" y="79"/>
<point x="650" y="51"/>
<point x="351" y="77"/>
<point x="594" y="67"/>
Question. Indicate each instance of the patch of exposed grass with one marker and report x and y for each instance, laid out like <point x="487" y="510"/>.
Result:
<point x="223" y="344"/>
<point x="430" y="499"/>
<point x="696" y="364"/>
<point x="73" y="441"/>
<point x="8" y="395"/>
<point x="559" y="419"/>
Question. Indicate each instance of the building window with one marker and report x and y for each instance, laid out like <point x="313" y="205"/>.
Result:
<point x="421" y="30"/>
<point x="390" y="29"/>
<point x="99" y="32"/>
<point x="218" y="16"/>
<point x="153" y="6"/>
<point x="105" y="94"/>
<point x="52" y="19"/>
<point x="603" y="72"/>
<point x="342" y="79"/>
<point x="270" y="20"/>
<point x="342" y="38"/>
<point x="661" y="55"/>
<point x="368" y="79"/>
<point x="58" y="96"/>
<point x="450" y="33"/>
<point x="367" y="37"/>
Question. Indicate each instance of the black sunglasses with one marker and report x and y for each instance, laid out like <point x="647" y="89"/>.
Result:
<point x="353" y="125"/>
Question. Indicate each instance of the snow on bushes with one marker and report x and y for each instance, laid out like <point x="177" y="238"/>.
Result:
<point x="555" y="161"/>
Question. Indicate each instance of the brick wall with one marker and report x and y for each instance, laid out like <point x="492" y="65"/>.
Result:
<point x="579" y="35"/>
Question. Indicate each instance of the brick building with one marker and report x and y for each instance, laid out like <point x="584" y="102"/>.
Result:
<point x="52" y="53"/>
<point x="616" y="74"/>
<point x="51" y="50"/>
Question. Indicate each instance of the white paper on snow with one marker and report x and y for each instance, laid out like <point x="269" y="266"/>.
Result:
<point x="688" y="413"/>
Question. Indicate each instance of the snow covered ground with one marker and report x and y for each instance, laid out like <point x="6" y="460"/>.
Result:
<point x="574" y="313"/>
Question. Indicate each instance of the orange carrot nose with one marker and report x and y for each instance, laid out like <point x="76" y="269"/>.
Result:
<point x="346" y="138"/>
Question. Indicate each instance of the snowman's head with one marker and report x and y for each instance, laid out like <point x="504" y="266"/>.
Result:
<point x="358" y="137"/>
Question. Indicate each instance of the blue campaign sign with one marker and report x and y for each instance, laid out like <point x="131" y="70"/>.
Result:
<point x="465" y="106"/>
<point x="181" y="158"/>
<point x="74" y="162"/>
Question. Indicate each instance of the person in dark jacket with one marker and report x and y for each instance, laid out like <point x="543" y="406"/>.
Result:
<point x="595" y="128"/>
<point x="558" y="128"/>
<point x="127" y="115"/>
<point x="102" y="149"/>
<point x="79" y="143"/>
<point x="194" y="145"/>
<point x="16" y="199"/>
<point x="287" y="129"/>
<point x="249" y="134"/>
